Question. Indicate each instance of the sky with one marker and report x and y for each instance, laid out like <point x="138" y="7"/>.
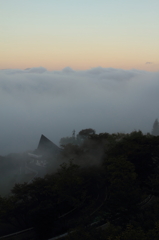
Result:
<point x="81" y="34"/>
<point x="54" y="103"/>
<point x="70" y="65"/>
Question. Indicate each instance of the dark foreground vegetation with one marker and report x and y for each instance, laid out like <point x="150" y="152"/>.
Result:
<point x="106" y="178"/>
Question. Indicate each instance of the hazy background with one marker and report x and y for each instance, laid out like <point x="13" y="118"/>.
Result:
<point x="54" y="103"/>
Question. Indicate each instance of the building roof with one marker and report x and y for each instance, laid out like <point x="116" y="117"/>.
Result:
<point x="46" y="146"/>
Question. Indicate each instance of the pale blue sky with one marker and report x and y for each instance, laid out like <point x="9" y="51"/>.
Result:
<point x="127" y="25"/>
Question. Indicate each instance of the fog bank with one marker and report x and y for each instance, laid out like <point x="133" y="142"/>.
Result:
<point x="37" y="101"/>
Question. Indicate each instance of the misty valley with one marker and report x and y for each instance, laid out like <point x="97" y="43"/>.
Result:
<point x="94" y="186"/>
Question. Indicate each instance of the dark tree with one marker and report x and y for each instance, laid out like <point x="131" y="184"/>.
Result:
<point x="85" y="133"/>
<point x="155" y="128"/>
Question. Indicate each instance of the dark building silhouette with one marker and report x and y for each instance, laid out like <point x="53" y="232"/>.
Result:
<point x="46" y="147"/>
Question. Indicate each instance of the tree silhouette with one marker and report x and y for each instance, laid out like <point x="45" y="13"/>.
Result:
<point x="155" y="128"/>
<point x="85" y="133"/>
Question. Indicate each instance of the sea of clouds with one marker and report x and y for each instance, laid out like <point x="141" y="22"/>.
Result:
<point x="37" y="101"/>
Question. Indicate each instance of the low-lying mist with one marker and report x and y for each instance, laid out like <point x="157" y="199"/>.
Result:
<point x="54" y="103"/>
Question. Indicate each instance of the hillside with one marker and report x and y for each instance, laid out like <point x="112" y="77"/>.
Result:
<point x="109" y="178"/>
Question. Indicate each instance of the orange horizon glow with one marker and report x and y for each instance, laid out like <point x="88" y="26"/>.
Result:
<point x="82" y="36"/>
<point x="52" y="64"/>
<point x="78" y="56"/>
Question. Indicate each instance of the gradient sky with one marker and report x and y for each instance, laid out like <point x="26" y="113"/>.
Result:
<point x="79" y="34"/>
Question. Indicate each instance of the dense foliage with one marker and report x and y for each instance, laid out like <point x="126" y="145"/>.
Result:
<point x="108" y="178"/>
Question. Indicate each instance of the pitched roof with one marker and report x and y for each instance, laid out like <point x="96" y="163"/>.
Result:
<point x="47" y="146"/>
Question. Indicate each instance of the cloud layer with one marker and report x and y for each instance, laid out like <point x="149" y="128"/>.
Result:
<point x="36" y="101"/>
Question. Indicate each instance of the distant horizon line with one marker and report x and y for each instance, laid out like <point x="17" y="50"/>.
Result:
<point x="68" y="67"/>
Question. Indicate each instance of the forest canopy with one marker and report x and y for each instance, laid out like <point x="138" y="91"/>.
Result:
<point x="107" y="178"/>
